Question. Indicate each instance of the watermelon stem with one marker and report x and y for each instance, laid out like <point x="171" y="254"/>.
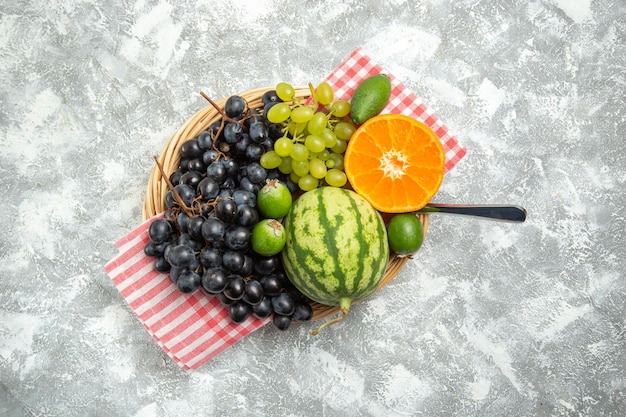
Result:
<point x="344" y="305"/>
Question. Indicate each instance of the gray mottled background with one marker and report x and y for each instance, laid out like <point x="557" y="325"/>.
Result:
<point x="491" y="319"/>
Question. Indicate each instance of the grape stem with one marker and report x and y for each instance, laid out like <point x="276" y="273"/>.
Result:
<point x="217" y="108"/>
<point x="197" y="206"/>
<point x="224" y="119"/>
<point x="177" y="196"/>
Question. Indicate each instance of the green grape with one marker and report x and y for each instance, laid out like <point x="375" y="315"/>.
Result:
<point x="294" y="177"/>
<point x="279" y="113"/>
<point x="299" y="152"/>
<point x="317" y="123"/>
<point x="314" y="143"/>
<point x="344" y="130"/>
<point x="324" y="93"/>
<point x="295" y="129"/>
<point x="336" y="159"/>
<point x="285" y="165"/>
<point x="317" y="168"/>
<point x="308" y="182"/>
<point x="302" y="114"/>
<point x="300" y="168"/>
<point x="283" y="146"/>
<point x="324" y="155"/>
<point x="270" y="160"/>
<point x="336" y="178"/>
<point x="340" y="146"/>
<point x="330" y="163"/>
<point x="340" y="108"/>
<point x="285" y="91"/>
<point x="330" y="138"/>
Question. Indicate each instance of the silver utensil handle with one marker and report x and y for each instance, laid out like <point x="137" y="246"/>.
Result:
<point x="504" y="213"/>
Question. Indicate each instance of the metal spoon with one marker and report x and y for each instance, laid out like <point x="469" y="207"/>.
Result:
<point x="503" y="213"/>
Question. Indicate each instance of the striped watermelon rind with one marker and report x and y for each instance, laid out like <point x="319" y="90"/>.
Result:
<point x="337" y="248"/>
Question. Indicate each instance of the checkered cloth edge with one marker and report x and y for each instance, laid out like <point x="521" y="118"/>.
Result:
<point x="193" y="328"/>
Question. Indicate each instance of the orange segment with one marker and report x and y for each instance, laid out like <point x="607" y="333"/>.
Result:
<point x="395" y="162"/>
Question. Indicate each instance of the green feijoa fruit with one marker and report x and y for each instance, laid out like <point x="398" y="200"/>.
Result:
<point x="274" y="200"/>
<point x="268" y="237"/>
<point x="405" y="234"/>
<point x="370" y="98"/>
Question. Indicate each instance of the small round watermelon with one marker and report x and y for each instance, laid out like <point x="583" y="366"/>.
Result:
<point x="337" y="248"/>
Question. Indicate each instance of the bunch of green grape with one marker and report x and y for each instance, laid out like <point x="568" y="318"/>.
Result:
<point x="316" y="134"/>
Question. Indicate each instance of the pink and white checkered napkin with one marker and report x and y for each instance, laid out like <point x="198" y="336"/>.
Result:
<point x="193" y="328"/>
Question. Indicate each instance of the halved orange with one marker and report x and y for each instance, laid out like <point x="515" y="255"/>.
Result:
<point x="395" y="162"/>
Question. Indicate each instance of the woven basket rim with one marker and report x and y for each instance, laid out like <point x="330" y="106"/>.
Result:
<point x="154" y="200"/>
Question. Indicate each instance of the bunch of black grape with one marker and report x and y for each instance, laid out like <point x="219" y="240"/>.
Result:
<point x="203" y="241"/>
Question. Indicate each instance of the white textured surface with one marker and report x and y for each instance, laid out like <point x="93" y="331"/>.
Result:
<point x="490" y="319"/>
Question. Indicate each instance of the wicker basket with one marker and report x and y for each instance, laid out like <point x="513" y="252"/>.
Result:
<point x="169" y="159"/>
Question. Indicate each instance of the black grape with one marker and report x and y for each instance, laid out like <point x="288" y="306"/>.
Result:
<point x="237" y="237"/>
<point x="256" y="173"/>
<point x="217" y="170"/>
<point x="196" y="164"/>
<point x="244" y="197"/>
<point x="194" y="227"/>
<point x="265" y="265"/>
<point x="161" y="265"/>
<point x="210" y="156"/>
<point x="181" y="256"/>
<point x="272" y="284"/>
<point x="303" y="312"/>
<point x="210" y="257"/>
<point x="191" y="178"/>
<point x="233" y="132"/>
<point x="247" y="185"/>
<point x="242" y="144"/>
<point x="159" y="231"/>
<point x="258" y="132"/>
<point x="253" y="293"/>
<point x="247" y="215"/>
<point x="188" y="282"/>
<point x="226" y="210"/>
<point x="175" y="177"/>
<point x="283" y="304"/>
<point x="186" y="193"/>
<point x="175" y="273"/>
<point x="208" y="188"/>
<point x="235" y="106"/>
<point x="235" y="287"/>
<point x="182" y="219"/>
<point x="263" y="309"/>
<point x="254" y="151"/>
<point x="239" y="311"/>
<point x="205" y="140"/>
<point x="233" y="260"/>
<point x="281" y="322"/>
<point x="213" y="229"/>
<point x="248" y="266"/>
<point x="270" y="96"/>
<point x="189" y="240"/>
<point x="191" y="149"/>
<point x="152" y="250"/>
<point x="214" y="280"/>
<point x="232" y="167"/>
